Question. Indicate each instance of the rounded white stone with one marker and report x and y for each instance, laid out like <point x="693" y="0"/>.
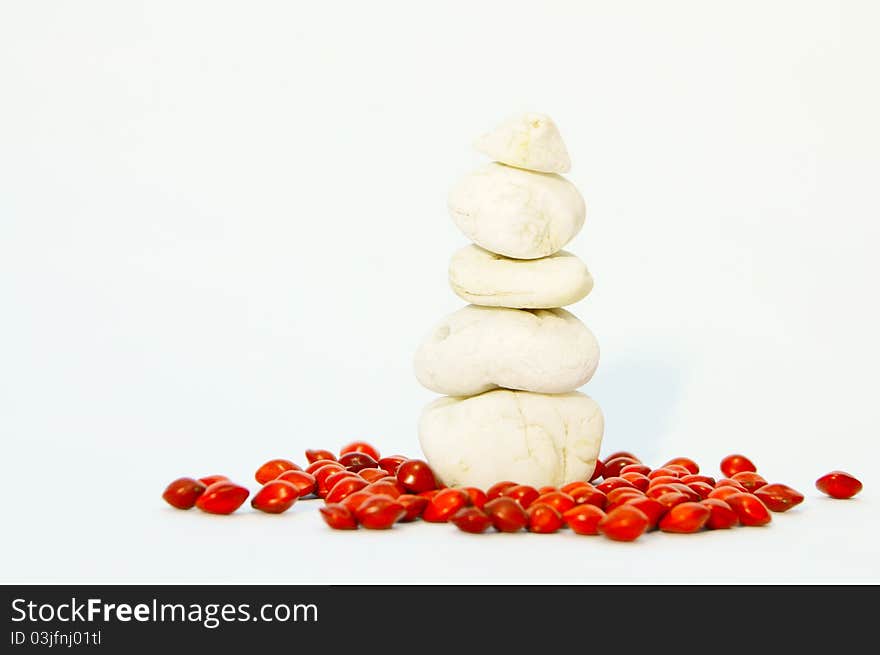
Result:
<point x="484" y="278"/>
<point x="480" y="348"/>
<point x="529" y="140"/>
<point x="528" y="438"/>
<point x="517" y="213"/>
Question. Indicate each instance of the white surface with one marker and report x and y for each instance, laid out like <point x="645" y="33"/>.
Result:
<point x="223" y="233"/>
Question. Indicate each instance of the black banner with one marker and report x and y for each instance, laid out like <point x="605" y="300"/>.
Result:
<point x="406" y="618"/>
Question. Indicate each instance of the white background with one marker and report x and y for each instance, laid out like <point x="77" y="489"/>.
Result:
<point x="223" y="234"/>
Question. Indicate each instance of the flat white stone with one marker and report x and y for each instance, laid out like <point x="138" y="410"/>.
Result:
<point x="484" y="278"/>
<point x="528" y="438"/>
<point x="530" y="141"/>
<point x="517" y="213"/>
<point x="480" y="348"/>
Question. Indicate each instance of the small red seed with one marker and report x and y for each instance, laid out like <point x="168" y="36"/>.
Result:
<point x="343" y="488"/>
<point x="373" y="474"/>
<point x="416" y="476"/>
<point x="544" y="519"/>
<point x="497" y="490"/>
<point x="672" y="498"/>
<point x="722" y="515"/>
<point x="839" y="484"/>
<point x="614" y="483"/>
<point x="686" y="462"/>
<point x="275" y="497"/>
<point x="598" y="471"/>
<point x="506" y="514"/>
<point x="723" y="492"/>
<point x="727" y="482"/>
<point x="471" y="519"/>
<point x="651" y="508"/>
<point x="706" y="479"/>
<point x="316" y="466"/>
<point x="679" y="469"/>
<point x="358" y="461"/>
<point x="360" y="447"/>
<point x="656" y="473"/>
<point x="584" y="519"/>
<point x="622" y="453"/>
<point x="273" y="468"/>
<point x="384" y="488"/>
<point x="750" y="480"/>
<point x="612" y="467"/>
<point x="733" y="464"/>
<point x="222" y="497"/>
<point x="571" y="486"/>
<point x="391" y="463"/>
<point x="589" y="496"/>
<point x="639" y="480"/>
<point x="779" y="497"/>
<point x="338" y="517"/>
<point x="304" y="482"/>
<point x="524" y="494"/>
<point x="414" y="506"/>
<point x="319" y="455"/>
<point x="749" y="509"/>
<point x="183" y="492"/>
<point x="558" y="500"/>
<point x="701" y="488"/>
<point x="685" y="518"/>
<point x="445" y="504"/>
<point x="355" y="500"/>
<point x="636" y="468"/>
<point x="625" y="523"/>
<point x="208" y="480"/>
<point x="478" y="496"/>
<point x="379" y="513"/>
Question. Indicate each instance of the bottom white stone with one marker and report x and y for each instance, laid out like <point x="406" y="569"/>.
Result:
<point x="529" y="438"/>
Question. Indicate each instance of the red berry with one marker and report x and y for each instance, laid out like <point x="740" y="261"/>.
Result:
<point x="208" y="480"/>
<point x="355" y="500"/>
<point x="723" y="492"/>
<point x="672" y="498"/>
<point x="571" y="486"/>
<point x="357" y="461"/>
<point x="721" y="514"/>
<point x="612" y="467"/>
<point x="779" y="497"/>
<point x="733" y="464"/>
<point x="360" y="447"/>
<point x="343" y="488"/>
<point x="544" y="519"/>
<point x="686" y="462"/>
<point x="662" y="479"/>
<point x="588" y="495"/>
<point x="183" y="492"/>
<point x="222" y="497"/>
<point x="749" y="509"/>
<point x="727" y="482"/>
<point x="506" y="514"/>
<point x="701" y="488"/>
<point x="616" y="495"/>
<point x="687" y="479"/>
<point x="391" y="463"/>
<point x="624" y="523"/>
<point x="478" y="496"/>
<point x="678" y="469"/>
<point x="838" y="484"/>
<point x="559" y="501"/>
<point x="416" y="476"/>
<point x="338" y="517"/>
<point x="584" y="519"/>
<point x="384" y="488"/>
<point x="471" y="519"/>
<point x="273" y="468"/>
<point x="636" y="468"/>
<point x="331" y="480"/>
<point x="622" y="453"/>
<point x="379" y="513"/>
<point x="371" y="475"/>
<point x="321" y="475"/>
<point x="275" y="497"/>
<point x="524" y="494"/>
<point x="315" y="466"/>
<point x="656" y="473"/>
<point x="639" y="480"/>
<point x="750" y="480"/>
<point x="304" y="482"/>
<point x="598" y="471"/>
<point x="319" y="455"/>
<point x="657" y="490"/>
<point x="685" y="518"/>
<point x="497" y="490"/>
<point x="445" y="504"/>
<point x="614" y="482"/>
<point x="414" y="506"/>
<point x="651" y="508"/>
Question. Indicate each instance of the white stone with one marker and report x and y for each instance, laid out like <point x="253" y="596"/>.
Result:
<point x="480" y="348"/>
<point x="484" y="278"/>
<point x="528" y="438"/>
<point x="517" y="213"/>
<point x="530" y="141"/>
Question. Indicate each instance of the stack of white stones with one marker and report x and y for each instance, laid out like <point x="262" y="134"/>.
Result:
<point x="510" y="362"/>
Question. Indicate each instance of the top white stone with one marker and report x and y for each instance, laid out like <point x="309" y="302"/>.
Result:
<point x="531" y="141"/>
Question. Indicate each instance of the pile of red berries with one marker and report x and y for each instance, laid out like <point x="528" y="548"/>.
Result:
<point x="623" y="499"/>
